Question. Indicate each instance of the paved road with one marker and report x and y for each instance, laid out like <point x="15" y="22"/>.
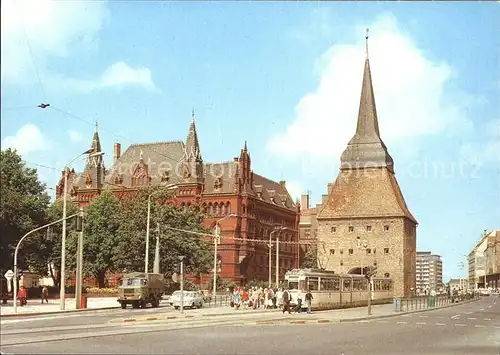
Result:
<point x="472" y="328"/>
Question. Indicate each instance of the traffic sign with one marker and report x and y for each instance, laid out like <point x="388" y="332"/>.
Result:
<point x="175" y="277"/>
<point x="9" y="275"/>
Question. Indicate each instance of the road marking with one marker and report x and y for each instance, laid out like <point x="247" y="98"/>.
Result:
<point x="440" y="317"/>
<point x="440" y="324"/>
<point x="471" y="318"/>
<point x="456" y="316"/>
<point x="402" y="322"/>
<point x="468" y="312"/>
<point x="482" y="309"/>
<point x="382" y="321"/>
<point x="364" y="321"/>
<point x="480" y="326"/>
<point x="420" y="323"/>
<point x="487" y="318"/>
<point x="459" y="325"/>
<point x="424" y="316"/>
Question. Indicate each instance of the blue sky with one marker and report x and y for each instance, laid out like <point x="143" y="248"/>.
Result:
<point x="286" y="77"/>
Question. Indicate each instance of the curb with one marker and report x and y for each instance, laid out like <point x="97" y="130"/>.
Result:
<point x="145" y="319"/>
<point x="304" y="321"/>
<point x="398" y="314"/>
<point x="19" y="315"/>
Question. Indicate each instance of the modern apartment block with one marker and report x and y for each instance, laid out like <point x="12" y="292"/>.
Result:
<point x="477" y="263"/>
<point x="429" y="272"/>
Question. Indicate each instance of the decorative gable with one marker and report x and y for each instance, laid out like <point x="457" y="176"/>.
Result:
<point x="88" y="181"/>
<point x="165" y="176"/>
<point x="118" y="179"/>
<point x="140" y="175"/>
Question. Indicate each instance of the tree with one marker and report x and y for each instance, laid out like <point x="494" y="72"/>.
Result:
<point x="23" y="203"/>
<point x="310" y="258"/>
<point x="101" y="226"/>
<point x="46" y="256"/>
<point x="130" y="252"/>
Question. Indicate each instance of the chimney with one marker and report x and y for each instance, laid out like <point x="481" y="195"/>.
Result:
<point x="304" y="201"/>
<point x="283" y="184"/>
<point x="117" y="152"/>
<point x="236" y="159"/>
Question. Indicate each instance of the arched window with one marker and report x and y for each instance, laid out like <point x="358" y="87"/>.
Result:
<point x="223" y="209"/>
<point x="211" y="209"/>
<point x="217" y="209"/>
<point x="228" y="208"/>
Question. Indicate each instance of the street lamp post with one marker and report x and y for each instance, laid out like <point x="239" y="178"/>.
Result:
<point x="79" y="263"/>
<point x="146" y="260"/>
<point x="62" y="290"/>
<point x="278" y="229"/>
<point x="181" y="259"/>
<point x="216" y="242"/>
<point x="17" y="249"/>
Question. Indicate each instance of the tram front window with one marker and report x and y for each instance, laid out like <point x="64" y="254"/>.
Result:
<point x="293" y="285"/>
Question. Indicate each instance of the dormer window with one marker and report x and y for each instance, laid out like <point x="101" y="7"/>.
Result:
<point x="119" y="179"/>
<point x="218" y="183"/>
<point x="165" y="176"/>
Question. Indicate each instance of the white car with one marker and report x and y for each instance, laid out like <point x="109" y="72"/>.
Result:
<point x="192" y="299"/>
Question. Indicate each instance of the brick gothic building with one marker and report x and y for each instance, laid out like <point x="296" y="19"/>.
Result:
<point x="219" y="189"/>
<point x="365" y="220"/>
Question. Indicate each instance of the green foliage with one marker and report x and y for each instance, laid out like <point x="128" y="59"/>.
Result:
<point x="258" y="283"/>
<point x="101" y="226"/>
<point x="23" y="202"/>
<point x="130" y="249"/>
<point x="49" y="242"/>
<point x="222" y="284"/>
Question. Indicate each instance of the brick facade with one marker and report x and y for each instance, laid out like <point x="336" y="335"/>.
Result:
<point x="218" y="189"/>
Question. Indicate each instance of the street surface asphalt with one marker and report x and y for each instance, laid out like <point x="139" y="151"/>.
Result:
<point x="470" y="328"/>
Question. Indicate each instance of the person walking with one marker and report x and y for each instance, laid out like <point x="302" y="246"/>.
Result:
<point x="45" y="294"/>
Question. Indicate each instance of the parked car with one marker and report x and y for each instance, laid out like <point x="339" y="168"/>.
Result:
<point x="192" y="299"/>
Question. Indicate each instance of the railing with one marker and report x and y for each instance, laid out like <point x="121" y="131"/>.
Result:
<point x="425" y="302"/>
<point x="218" y="301"/>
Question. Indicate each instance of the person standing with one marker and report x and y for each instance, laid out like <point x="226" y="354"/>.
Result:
<point x="286" y="302"/>
<point x="308" y="298"/>
<point x="45" y="294"/>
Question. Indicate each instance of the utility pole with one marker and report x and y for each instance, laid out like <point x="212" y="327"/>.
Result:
<point x="79" y="260"/>
<point x="181" y="258"/>
<point x="156" y="264"/>
<point x="270" y="262"/>
<point x="368" y="277"/>
<point x="277" y="261"/>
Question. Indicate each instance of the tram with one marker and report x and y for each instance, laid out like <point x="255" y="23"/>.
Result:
<point x="331" y="290"/>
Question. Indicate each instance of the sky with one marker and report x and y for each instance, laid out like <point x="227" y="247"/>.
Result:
<point x="285" y="77"/>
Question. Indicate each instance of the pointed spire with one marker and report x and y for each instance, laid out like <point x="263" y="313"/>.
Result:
<point x="96" y="142"/>
<point x="245" y="147"/>
<point x="366" y="148"/>
<point x="366" y="42"/>
<point x="192" y="149"/>
<point x="192" y="116"/>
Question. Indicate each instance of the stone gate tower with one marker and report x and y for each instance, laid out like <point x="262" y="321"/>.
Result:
<point x="365" y="221"/>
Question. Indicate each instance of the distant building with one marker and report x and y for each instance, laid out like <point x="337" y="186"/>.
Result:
<point x="492" y="259"/>
<point x="429" y="272"/>
<point x="477" y="263"/>
<point x="457" y="284"/>
<point x="365" y="221"/>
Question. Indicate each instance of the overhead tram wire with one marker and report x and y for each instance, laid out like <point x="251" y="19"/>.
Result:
<point x="30" y="50"/>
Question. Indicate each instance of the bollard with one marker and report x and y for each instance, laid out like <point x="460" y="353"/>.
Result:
<point x="83" y="303"/>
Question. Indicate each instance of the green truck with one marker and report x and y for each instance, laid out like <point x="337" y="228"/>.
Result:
<point x="138" y="289"/>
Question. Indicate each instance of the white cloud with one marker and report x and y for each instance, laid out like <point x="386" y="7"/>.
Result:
<point x="56" y="29"/>
<point x="487" y="150"/>
<point x="295" y="189"/>
<point x="74" y="135"/>
<point x="27" y="139"/>
<point x="52" y="28"/>
<point x="408" y="93"/>
<point x="117" y="75"/>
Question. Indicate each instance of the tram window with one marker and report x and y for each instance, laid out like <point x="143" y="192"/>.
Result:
<point x="293" y="285"/>
<point x="359" y="285"/>
<point x="347" y="286"/>
<point x="329" y="284"/>
<point x="378" y="285"/>
<point x="313" y="284"/>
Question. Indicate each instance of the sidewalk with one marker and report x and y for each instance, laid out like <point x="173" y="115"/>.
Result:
<point x="35" y="306"/>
